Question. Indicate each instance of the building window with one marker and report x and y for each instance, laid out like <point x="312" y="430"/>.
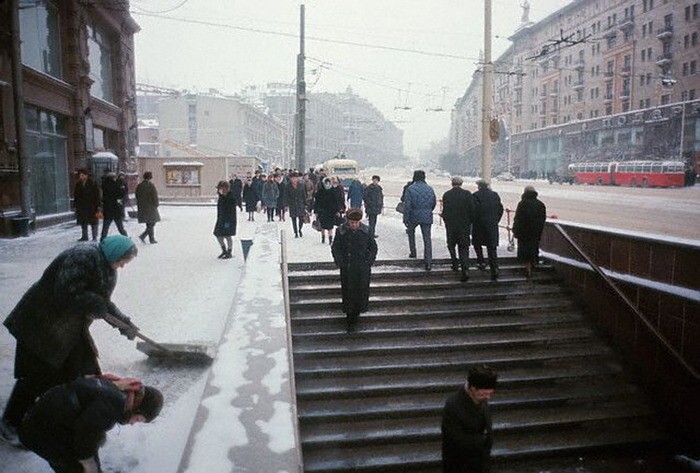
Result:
<point x="665" y="99"/>
<point x="694" y="39"/>
<point x="687" y="13"/>
<point x="685" y="68"/>
<point x="40" y="36"/>
<point x="696" y="10"/>
<point x="691" y="94"/>
<point x="46" y="146"/>
<point x="100" y="57"/>
<point x="686" y="41"/>
<point x="693" y="67"/>
<point x="182" y="174"/>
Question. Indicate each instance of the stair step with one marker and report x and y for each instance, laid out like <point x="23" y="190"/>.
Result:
<point x="431" y="403"/>
<point x="427" y="428"/>
<point x="316" y="315"/>
<point x="395" y="265"/>
<point x="334" y="367"/>
<point x="435" y="323"/>
<point x="382" y="385"/>
<point x="358" y="345"/>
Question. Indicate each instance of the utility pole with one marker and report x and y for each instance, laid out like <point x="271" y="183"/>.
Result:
<point x="487" y="97"/>
<point x="301" y="100"/>
<point x="23" y="163"/>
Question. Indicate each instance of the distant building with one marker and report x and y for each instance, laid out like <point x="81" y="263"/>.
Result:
<point x="217" y="125"/>
<point x="339" y="123"/>
<point x="600" y="70"/>
<point x="79" y="96"/>
<point x="149" y="142"/>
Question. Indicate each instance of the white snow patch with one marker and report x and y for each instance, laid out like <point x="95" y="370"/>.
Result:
<point x="278" y="428"/>
<point x="276" y="377"/>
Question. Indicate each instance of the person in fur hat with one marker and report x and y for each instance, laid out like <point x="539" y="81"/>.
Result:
<point x="69" y="422"/>
<point x="51" y="322"/>
<point x="354" y="251"/>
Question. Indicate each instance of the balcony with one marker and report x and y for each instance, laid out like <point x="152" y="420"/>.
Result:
<point x="577" y="85"/>
<point x="580" y="64"/>
<point x="665" y="32"/>
<point x="609" y="75"/>
<point x="626" y="22"/>
<point x="607" y="98"/>
<point x="625" y="94"/>
<point x="626" y="71"/>
<point x="664" y="59"/>
<point x="554" y="93"/>
<point x="518" y="86"/>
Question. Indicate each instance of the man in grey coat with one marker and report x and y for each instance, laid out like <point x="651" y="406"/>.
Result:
<point x="419" y="202"/>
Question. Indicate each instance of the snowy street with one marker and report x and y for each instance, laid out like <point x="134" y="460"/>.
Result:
<point x="178" y="291"/>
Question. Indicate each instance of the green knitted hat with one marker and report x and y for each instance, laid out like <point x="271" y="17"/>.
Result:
<point x="115" y="247"/>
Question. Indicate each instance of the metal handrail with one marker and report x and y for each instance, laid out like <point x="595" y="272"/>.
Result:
<point x="629" y="303"/>
<point x="288" y="317"/>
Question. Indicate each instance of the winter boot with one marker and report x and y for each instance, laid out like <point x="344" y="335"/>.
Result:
<point x="227" y="254"/>
<point x="330" y="240"/>
<point x="223" y="253"/>
<point x="323" y="238"/>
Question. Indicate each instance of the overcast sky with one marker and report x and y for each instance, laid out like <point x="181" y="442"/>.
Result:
<point x="228" y="44"/>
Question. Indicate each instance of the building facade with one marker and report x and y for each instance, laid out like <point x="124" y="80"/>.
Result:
<point x="79" y="97"/>
<point x="213" y="124"/>
<point x="621" y="67"/>
<point x="339" y="123"/>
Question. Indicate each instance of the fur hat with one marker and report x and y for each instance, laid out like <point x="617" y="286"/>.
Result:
<point x="354" y="214"/>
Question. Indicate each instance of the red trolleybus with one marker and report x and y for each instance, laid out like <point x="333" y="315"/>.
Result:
<point x="592" y="173"/>
<point x="630" y="173"/>
<point x="650" y="174"/>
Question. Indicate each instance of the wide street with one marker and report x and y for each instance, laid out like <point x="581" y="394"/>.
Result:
<point x="667" y="212"/>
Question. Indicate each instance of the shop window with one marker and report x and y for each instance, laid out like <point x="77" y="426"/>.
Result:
<point x="182" y="174"/>
<point x="40" y="36"/>
<point x="100" y="57"/>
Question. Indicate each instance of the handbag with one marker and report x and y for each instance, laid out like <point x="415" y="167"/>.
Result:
<point x="316" y="225"/>
<point x="399" y="207"/>
<point x="306" y="217"/>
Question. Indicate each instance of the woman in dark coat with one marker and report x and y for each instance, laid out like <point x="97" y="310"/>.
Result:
<point x="51" y="322"/>
<point x="113" y="195"/>
<point x="250" y="198"/>
<point x="354" y="251"/>
<point x="87" y="204"/>
<point x="225" y="226"/>
<point x="147" y="202"/>
<point x="69" y="422"/>
<point x="297" y="197"/>
<point x="488" y="212"/>
<point x="282" y="199"/>
<point x="270" y="194"/>
<point x="527" y="227"/>
<point x="327" y="207"/>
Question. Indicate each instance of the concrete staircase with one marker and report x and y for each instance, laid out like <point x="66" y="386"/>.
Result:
<point x="372" y="400"/>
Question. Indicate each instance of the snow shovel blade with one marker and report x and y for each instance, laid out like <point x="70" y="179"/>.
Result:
<point x="195" y="353"/>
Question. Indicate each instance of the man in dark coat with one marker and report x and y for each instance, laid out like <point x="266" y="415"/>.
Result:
<point x="458" y="214"/>
<point x="419" y="201"/>
<point x="86" y="198"/>
<point x="354" y="251"/>
<point x="147" y="202"/>
<point x="489" y="211"/>
<point x="296" y="198"/>
<point x="51" y="322"/>
<point x="69" y="422"/>
<point x="527" y="227"/>
<point x="373" y="197"/>
<point x="466" y="424"/>
<point x="237" y="190"/>
<point x="113" y="195"/>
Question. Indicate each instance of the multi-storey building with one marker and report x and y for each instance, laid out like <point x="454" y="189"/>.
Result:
<point x="79" y="96"/>
<point x="218" y="125"/>
<point x="585" y="63"/>
<point x="339" y="123"/>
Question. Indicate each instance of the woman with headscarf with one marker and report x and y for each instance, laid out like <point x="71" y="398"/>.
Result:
<point x="51" y="322"/>
<point x="69" y="422"/>
<point x="327" y="207"/>
<point x="270" y="194"/>
<point x="225" y="226"/>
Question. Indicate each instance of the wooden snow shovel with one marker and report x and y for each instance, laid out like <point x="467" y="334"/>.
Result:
<point x="192" y="353"/>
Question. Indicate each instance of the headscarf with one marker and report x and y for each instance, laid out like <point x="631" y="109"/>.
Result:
<point x="115" y="247"/>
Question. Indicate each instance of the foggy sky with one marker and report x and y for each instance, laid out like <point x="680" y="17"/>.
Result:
<point x="182" y="54"/>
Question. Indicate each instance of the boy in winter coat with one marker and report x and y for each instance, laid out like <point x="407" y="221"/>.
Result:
<point x="69" y="422"/>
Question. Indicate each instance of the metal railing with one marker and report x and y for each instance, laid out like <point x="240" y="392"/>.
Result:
<point x="659" y="336"/>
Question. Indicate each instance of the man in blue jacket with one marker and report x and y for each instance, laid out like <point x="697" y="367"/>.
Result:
<point x="419" y="202"/>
